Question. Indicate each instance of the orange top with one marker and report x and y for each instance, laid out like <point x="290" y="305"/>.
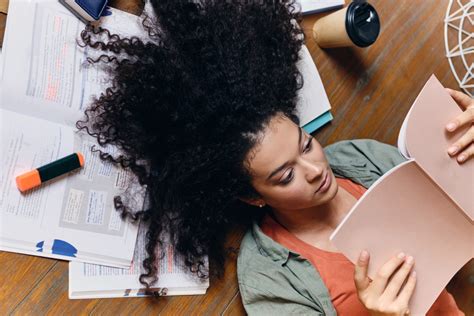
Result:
<point x="81" y="159"/>
<point x="28" y="180"/>
<point x="337" y="271"/>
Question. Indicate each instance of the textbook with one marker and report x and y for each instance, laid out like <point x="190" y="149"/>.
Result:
<point x="423" y="207"/>
<point x="95" y="281"/>
<point x="45" y="87"/>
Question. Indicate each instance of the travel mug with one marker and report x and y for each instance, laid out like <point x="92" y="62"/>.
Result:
<point x="357" y="24"/>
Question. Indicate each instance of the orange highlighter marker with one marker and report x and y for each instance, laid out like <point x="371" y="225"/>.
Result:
<point x="36" y="177"/>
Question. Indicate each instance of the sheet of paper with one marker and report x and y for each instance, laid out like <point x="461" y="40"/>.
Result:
<point x="94" y="281"/>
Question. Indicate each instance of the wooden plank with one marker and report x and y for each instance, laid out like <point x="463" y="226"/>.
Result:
<point x="3" y="25"/>
<point x="131" y="306"/>
<point x="19" y="274"/>
<point x="4" y="6"/>
<point x="50" y="296"/>
<point x="235" y="307"/>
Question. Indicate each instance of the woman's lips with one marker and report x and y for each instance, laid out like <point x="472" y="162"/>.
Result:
<point x="325" y="184"/>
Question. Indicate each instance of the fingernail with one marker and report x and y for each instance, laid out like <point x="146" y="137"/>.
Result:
<point x="409" y="260"/>
<point x="364" y="255"/>
<point x="401" y="255"/>
<point x="413" y="274"/>
<point x="462" y="157"/>
<point x="451" y="126"/>
<point x="452" y="150"/>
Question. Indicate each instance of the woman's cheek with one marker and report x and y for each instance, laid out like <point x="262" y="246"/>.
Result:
<point x="292" y="195"/>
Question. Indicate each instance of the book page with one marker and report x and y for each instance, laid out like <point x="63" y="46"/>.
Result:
<point x="405" y="211"/>
<point x="90" y="280"/>
<point x="48" y="74"/>
<point x="23" y="147"/>
<point x="46" y="84"/>
<point x="312" y="98"/>
<point x="75" y="209"/>
<point x="427" y="141"/>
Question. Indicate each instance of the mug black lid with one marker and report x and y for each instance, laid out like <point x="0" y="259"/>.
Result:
<point x="362" y="23"/>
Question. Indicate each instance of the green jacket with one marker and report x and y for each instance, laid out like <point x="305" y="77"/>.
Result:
<point x="276" y="281"/>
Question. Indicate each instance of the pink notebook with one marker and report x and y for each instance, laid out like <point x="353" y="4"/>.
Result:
<point x="423" y="207"/>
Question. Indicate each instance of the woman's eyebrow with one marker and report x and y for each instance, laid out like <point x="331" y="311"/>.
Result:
<point x="283" y="166"/>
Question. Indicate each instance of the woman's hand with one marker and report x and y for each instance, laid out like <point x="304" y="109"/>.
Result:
<point x="386" y="294"/>
<point x="463" y="148"/>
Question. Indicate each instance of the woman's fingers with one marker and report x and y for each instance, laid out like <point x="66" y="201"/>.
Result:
<point x="398" y="279"/>
<point x="388" y="293"/>
<point x="463" y="145"/>
<point x="461" y="98"/>
<point x="464" y="118"/>
<point x="361" y="279"/>
<point x="466" y="153"/>
<point x="404" y="297"/>
<point x="383" y="275"/>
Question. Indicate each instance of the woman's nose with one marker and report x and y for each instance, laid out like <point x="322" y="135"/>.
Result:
<point x="313" y="170"/>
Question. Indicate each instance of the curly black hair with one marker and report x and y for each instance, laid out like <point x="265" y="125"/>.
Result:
<point x="187" y="106"/>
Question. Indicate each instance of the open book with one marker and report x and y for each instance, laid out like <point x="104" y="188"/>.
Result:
<point x="423" y="207"/>
<point x="45" y="88"/>
<point x="95" y="281"/>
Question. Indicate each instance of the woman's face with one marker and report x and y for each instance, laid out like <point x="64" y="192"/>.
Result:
<point x="289" y="168"/>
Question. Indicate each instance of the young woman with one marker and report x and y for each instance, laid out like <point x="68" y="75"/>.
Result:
<point x="287" y="264"/>
<point x="203" y="112"/>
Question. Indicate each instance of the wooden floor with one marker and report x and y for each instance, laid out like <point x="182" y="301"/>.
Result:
<point x="370" y="91"/>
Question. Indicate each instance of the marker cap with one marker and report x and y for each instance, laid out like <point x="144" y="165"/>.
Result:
<point x="28" y="180"/>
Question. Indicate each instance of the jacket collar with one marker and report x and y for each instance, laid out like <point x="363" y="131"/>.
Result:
<point x="270" y="248"/>
<point x="299" y="266"/>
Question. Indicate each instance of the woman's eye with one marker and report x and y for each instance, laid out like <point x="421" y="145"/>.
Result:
<point x="288" y="178"/>
<point x="308" y="146"/>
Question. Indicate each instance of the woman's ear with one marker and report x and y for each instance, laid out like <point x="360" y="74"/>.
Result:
<point x="255" y="202"/>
